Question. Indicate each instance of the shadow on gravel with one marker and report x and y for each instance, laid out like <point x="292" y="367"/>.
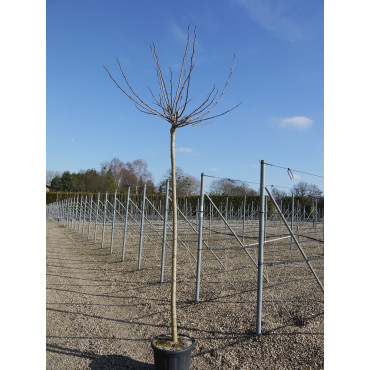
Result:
<point x="106" y="362"/>
<point x="117" y="362"/>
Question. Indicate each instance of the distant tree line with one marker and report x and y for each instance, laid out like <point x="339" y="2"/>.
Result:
<point x="118" y="175"/>
<point x="113" y="175"/>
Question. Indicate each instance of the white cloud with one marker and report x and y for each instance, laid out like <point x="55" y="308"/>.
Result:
<point x="184" y="150"/>
<point x="178" y="32"/>
<point x="296" y="177"/>
<point x="279" y="17"/>
<point x="300" y="123"/>
<point x="214" y="169"/>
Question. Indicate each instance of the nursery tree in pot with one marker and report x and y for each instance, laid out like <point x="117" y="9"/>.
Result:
<point x="172" y="105"/>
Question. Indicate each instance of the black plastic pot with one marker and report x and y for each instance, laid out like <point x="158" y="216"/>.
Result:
<point x="172" y="359"/>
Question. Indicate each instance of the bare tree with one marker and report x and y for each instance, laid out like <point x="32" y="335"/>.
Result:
<point x="116" y="166"/>
<point x="230" y="187"/>
<point x="172" y="105"/>
<point x="143" y="176"/>
<point x="314" y="191"/>
<point x="278" y="194"/>
<point x="303" y="189"/>
<point x="186" y="184"/>
<point x="51" y="174"/>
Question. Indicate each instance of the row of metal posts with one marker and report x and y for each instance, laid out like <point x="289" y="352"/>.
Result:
<point x="243" y="211"/>
<point x="75" y="204"/>
<point x="68" y="210"/>
<point x="73" y="207"/>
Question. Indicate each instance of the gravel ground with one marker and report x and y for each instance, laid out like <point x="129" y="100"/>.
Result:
<point x="102" y="313"/>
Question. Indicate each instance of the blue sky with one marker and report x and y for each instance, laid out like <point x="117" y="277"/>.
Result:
<point x="278" y="77"/>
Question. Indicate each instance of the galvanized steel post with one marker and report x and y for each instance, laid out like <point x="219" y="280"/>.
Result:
<point x="260" y="249"/>
<point x="73" y="212"/>
<point x="141" y="228"/>
<point x="104" y="217"/>
<point x="315" y="216"/>
<point x="164" y="231"/>
<point x="113" y="220"/>
<point x="125" y="227"/>
<point x="243" y="210"/>
<point x="90" y="214"/>
<point x="79" y="217"/>
<point x="96" y="217"/>
<point x="200" y="239"/>
<point x="76" y="210"/>
<point x="68" y="211"/>
<point x="292" y="222"/>
<point x="83" y="222"/>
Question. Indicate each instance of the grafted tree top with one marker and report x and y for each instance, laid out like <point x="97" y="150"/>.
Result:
<point x="172" y="101"/>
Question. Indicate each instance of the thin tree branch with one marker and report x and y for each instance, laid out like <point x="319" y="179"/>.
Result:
<point x="196" y="121"/>
<point x="161" y="81"/>
<point x="192" y="64"/>
<point x="182" y="66"/>
<point x="140" y="103"/>
<point x="214" y="105"/>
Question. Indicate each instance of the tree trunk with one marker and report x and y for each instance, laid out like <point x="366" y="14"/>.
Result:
<point x="174" y="238"/>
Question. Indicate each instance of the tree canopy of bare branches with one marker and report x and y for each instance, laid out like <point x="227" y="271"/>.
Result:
<point x="230" y="187"/>
<point x="303" y="189"/>
<point x="185" y="183"/>
<point x="172" y="101"/>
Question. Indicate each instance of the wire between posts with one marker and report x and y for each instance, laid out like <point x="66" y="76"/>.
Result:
<point x="290" y="173"/>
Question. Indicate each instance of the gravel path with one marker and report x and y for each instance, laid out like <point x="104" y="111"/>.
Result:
<point x="101" y="314"/>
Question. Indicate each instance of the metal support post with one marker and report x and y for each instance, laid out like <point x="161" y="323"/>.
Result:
<point x="104" y="217"/>
<point x="76" y="209"/>
<point x="226" y="210"/>
<point x="113" y="221"/>
<point x="73" y="212"/>
<point x="68" y="211"/>
<point x="200" y="239"/>
<point x="141" y="228"/>
<point x="83" y="221"/>
<point x="96" y="218"/>
<point x="292" y="222"/>
<point x="79" y="217"/>
<point x="165" y="230"/>
<point x="281" y="207"/>
<point x="266" y="219"/>
<point x="210" y="219"/>
<point x="125" y="227"/>
<point x="90" y="214"/>
<point x="316" y="216"/>
<point x="244" y="205"/>
<point x="260" y="249"/>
